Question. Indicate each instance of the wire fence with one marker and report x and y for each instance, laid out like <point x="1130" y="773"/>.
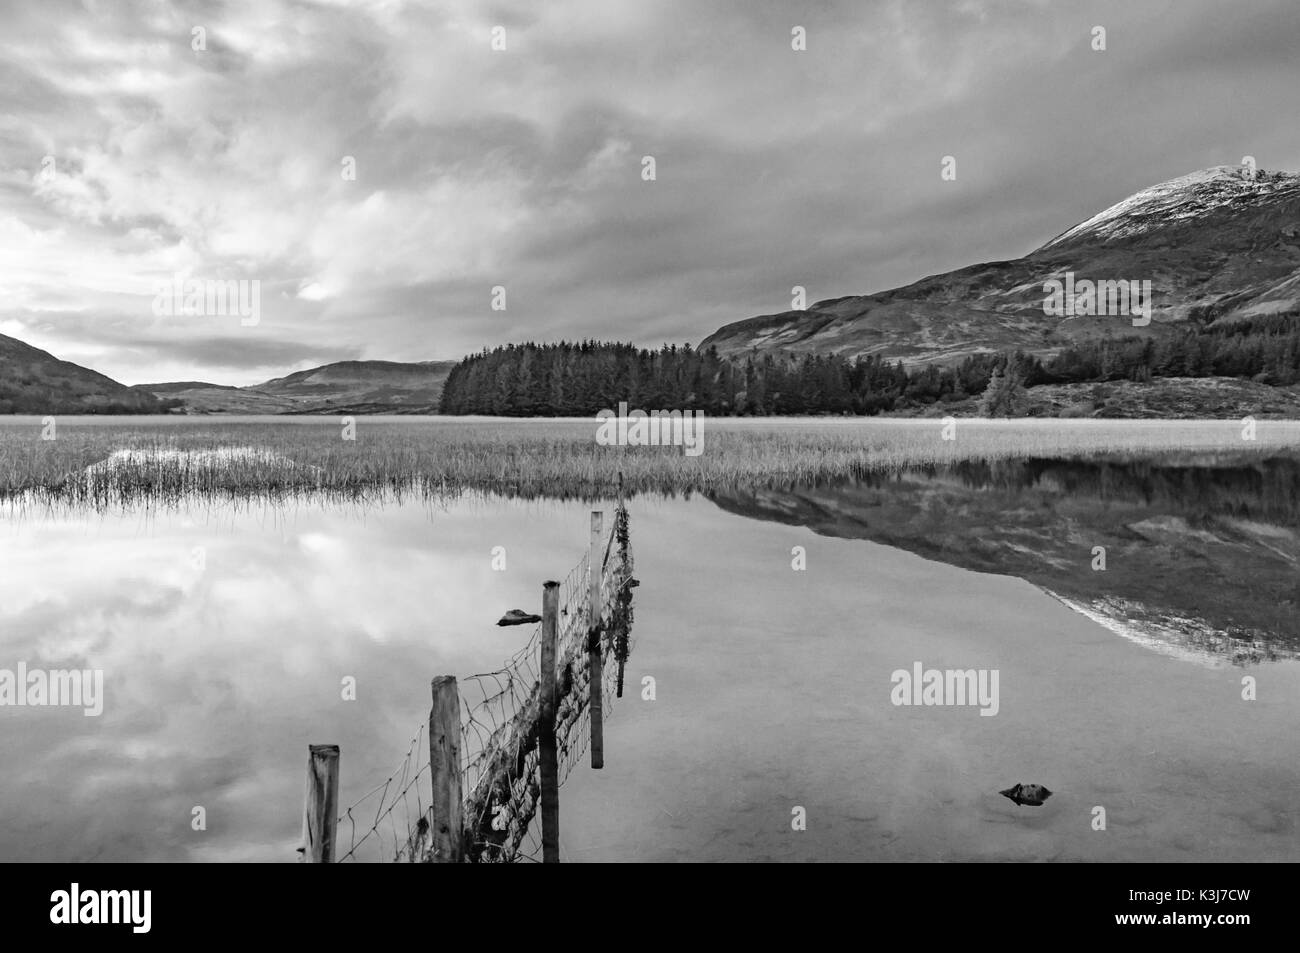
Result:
<point x="500" y="760"/>
<point x="500" y="730"/>
<point x="389" y="821"/>
<point x="500" y="723"/>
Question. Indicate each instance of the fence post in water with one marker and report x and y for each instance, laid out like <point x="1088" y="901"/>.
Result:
<point x="447" y="832"/>
<point x="595" y="661"/>
<point x="619" y="635"/>
<point x="321" y="806"/>
<point x="550" y="766"/>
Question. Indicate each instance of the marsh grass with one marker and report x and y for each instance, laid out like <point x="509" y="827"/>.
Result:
<point x="101" y="463"/>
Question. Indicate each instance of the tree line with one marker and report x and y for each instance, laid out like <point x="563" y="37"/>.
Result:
<point x="580" y="378"/>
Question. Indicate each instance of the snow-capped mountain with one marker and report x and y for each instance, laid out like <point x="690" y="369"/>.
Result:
<point x="1182" y="200"/>
<point x="1219" y="245"/>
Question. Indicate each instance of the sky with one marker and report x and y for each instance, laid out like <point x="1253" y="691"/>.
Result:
<point x="380" y="169"/>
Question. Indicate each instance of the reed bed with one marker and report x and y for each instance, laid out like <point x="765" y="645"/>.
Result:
<point x="101" y="462"/>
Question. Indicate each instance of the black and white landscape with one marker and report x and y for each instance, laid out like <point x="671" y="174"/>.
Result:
<point x="904" y="397"/>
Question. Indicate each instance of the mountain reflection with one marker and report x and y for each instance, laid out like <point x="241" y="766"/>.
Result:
<point x="1194" y="556"/>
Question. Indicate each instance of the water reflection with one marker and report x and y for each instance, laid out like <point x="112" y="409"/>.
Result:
<point x="773" y="687"/>
<point x="225" y="634"/>
<point x="1193" y="556"/>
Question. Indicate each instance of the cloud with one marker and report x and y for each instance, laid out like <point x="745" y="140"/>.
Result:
<point x="521" y="167"/>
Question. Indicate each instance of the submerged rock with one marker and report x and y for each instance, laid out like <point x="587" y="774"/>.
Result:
<point x="1031" y="794"/>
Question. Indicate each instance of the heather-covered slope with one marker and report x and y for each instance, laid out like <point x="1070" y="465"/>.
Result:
<point x="1216" y="246"/>
<point x="33" y="381"/>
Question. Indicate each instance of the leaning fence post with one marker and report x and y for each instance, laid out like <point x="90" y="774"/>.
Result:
<point x="595" y="661"/>
<point x="444" y="771"/>
<point x="550" y="768"/>
<point x="321" y="805"/>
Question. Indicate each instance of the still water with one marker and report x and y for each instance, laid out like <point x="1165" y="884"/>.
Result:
<point x="226" y="634"/>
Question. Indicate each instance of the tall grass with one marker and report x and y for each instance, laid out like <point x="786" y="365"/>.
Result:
<point x="100" y="463"/>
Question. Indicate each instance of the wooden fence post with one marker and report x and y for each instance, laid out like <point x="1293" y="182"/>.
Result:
<point x="595" y="660"/>
<point x="444" y="771"/>
<point x="620" y="647"/>
<point x="321" y="804"/>
<point x="550" y="767"/>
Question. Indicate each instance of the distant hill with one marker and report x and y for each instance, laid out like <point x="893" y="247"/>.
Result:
<point x="196" y="397"/>
<point x="357" y="387"/>
<point x="33" y="381"/>
<point x="177" y="386"/>
<point x="392" y="383"/>
<point x="1218" y="248"/>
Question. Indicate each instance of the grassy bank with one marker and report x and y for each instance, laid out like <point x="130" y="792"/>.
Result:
<point x="99" y="462"/>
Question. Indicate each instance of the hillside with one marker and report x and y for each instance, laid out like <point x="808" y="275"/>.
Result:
<point x="1217" y="247"/>
<point x="359" y="387"/>
<point x="1168" y="398"/>
<point x="197" y="397"/>
<point x="397" y="385"/>
<point x="33" y="381"/>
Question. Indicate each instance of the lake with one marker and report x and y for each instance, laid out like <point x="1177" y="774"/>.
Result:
<point x="771" y="621"/>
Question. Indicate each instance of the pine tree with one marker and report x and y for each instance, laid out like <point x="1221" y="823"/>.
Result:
<point x="1006" y="396"/>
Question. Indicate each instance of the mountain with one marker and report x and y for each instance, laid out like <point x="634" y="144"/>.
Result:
<point x="358" y="387"/>
<point x="1218" y="247"/>
<point x="33" y="381"/>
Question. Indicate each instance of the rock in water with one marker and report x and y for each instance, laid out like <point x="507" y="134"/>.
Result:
<point x="1031" y="794"/>
<point x="518" y="617"/>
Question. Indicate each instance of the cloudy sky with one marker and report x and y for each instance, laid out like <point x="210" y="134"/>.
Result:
<point x="128" y="156"/>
